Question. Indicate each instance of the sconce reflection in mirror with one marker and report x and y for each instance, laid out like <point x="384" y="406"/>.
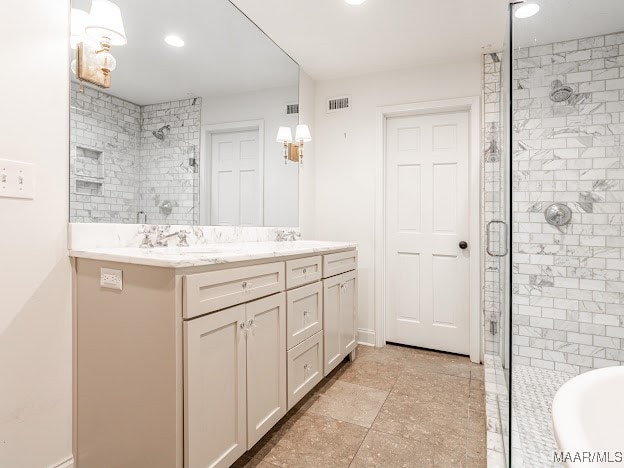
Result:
<point x="293" y="150"/>
<point x="92" y="35"/>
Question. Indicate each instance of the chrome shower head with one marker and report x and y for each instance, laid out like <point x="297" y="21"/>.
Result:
<point x="160" y="133"/>
<point x="560" y="92"/>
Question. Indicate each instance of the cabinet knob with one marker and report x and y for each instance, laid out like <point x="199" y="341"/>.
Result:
<point x="463" y="245"/>
<point x="244" y="284"/>
<point x="305" y="270"/>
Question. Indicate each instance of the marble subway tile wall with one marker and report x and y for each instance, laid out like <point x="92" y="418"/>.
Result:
<point x="568" y="282"/>
<point x="119" y="168"/>
<point x="169" y="181"/>
<point x="104" y="152"/>
<point x="493" y="268"/>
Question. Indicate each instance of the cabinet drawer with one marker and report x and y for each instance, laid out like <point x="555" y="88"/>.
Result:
<point x="305" y="368"/>
<point x="214" y="290"/>
<point x="304" y="313"/>
<point x="303" y="271"/>
<point x="341" y="262"/>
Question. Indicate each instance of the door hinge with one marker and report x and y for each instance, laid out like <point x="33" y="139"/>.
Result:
<point x="493" y="327"/>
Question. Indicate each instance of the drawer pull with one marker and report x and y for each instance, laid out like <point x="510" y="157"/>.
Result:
<point x="244" y="284"/>
<point x="305" y="270"/>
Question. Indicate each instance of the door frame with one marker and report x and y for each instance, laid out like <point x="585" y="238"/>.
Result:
<point x="205" y="162"/>
<point x="472" y="105"/>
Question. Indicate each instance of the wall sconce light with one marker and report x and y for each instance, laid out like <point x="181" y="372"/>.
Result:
<point x="293" y="150"/>
<point x="92" y="36"/>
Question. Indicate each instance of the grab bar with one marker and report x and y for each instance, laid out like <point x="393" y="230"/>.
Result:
<point x="487" y="238"/>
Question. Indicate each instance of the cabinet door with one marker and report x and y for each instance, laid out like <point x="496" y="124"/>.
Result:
<point x="348" y="312"/>
<point x="266" y="365"/>
<point x="215" y="407"/>
<point x="331" y="323"/>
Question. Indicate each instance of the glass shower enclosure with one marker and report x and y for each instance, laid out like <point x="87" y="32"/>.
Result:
<point x="554" y="173"/>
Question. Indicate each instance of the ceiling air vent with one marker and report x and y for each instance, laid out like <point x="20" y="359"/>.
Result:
<point x="338" y="104"/>
<point x="292" y="109"/>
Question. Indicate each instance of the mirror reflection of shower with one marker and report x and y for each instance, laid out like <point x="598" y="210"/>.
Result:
<point x="160" y="133"/>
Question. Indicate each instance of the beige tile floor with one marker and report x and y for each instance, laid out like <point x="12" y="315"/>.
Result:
<point x="392" y="407"/>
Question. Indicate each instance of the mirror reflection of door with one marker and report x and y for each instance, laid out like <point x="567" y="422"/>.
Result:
<point x="236" y="188"/>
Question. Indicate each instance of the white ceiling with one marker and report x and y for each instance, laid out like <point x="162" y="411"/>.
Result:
<point x="331" y="39"/>
<point x="562" y="20"/>
<point x="224" y="53"/>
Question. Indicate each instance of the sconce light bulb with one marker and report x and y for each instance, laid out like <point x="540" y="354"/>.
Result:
<point x="105" y="61"/>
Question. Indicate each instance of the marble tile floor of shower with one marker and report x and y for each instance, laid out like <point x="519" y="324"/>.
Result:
<point x="393" y="407"/>
<point x="533" y="390"/>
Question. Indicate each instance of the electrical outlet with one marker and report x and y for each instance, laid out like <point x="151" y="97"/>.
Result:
<point x="111" y="279"/>
<point x="17" y="179"/>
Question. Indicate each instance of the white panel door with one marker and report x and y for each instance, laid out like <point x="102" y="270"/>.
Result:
<point x="427" y="216"/>
<point x="237" y="194"/>
<point x="266" y="365"/>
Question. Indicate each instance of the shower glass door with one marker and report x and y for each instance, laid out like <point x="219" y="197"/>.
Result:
<point x="567" y="144"/>
<point x="496" y="212"/>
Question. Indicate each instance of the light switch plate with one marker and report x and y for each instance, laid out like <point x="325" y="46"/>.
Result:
<point x="17" y="179"/>
<point x="111" y="279"/>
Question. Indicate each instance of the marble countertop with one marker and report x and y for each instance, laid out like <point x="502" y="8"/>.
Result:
<point x="210" y="254"/>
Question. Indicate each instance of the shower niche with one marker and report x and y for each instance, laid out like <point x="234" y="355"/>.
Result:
<point x="185" y="135"/>
<point x="88" y="171"/>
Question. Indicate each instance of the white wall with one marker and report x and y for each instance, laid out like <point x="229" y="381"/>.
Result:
<point x="280" y="180"/>
<point x="307" y="172"/>
<point x="345" y="156"/>
<point x="35" y="274"/>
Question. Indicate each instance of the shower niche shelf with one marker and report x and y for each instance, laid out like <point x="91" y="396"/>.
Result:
<point x="88" y="171"/>
<point x="89" y="186"/>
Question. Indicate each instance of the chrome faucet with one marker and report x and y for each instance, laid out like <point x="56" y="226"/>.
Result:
<point x="162" y="239"/>
<point x="146" y="241"/>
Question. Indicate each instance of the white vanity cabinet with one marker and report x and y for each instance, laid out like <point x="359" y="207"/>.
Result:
<point x="235" y="379"/>
<point x="339" y="318"/>
<point x="191" y="365"/>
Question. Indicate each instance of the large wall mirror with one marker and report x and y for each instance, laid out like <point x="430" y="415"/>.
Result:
<point x="175" y="108"/>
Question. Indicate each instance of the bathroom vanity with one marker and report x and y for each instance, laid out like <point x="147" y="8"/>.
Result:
<point x="204" y="348"/>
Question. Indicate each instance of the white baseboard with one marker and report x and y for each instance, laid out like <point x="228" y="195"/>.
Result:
<point x="66" y="463"/>
<point x="366" y="337"/>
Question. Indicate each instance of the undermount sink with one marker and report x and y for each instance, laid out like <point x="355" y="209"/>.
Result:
<point x="587" y="413"/>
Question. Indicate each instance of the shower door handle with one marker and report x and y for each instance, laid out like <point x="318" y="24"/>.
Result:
<point x="487" y="238"/>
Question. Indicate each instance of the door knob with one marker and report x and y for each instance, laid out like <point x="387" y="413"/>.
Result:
<point x="463" y="245"/>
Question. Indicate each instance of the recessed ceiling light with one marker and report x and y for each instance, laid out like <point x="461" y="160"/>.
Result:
<point x="174" y="41"/>
<point x="355" y="2"/>
<point x="526" y="11"/>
